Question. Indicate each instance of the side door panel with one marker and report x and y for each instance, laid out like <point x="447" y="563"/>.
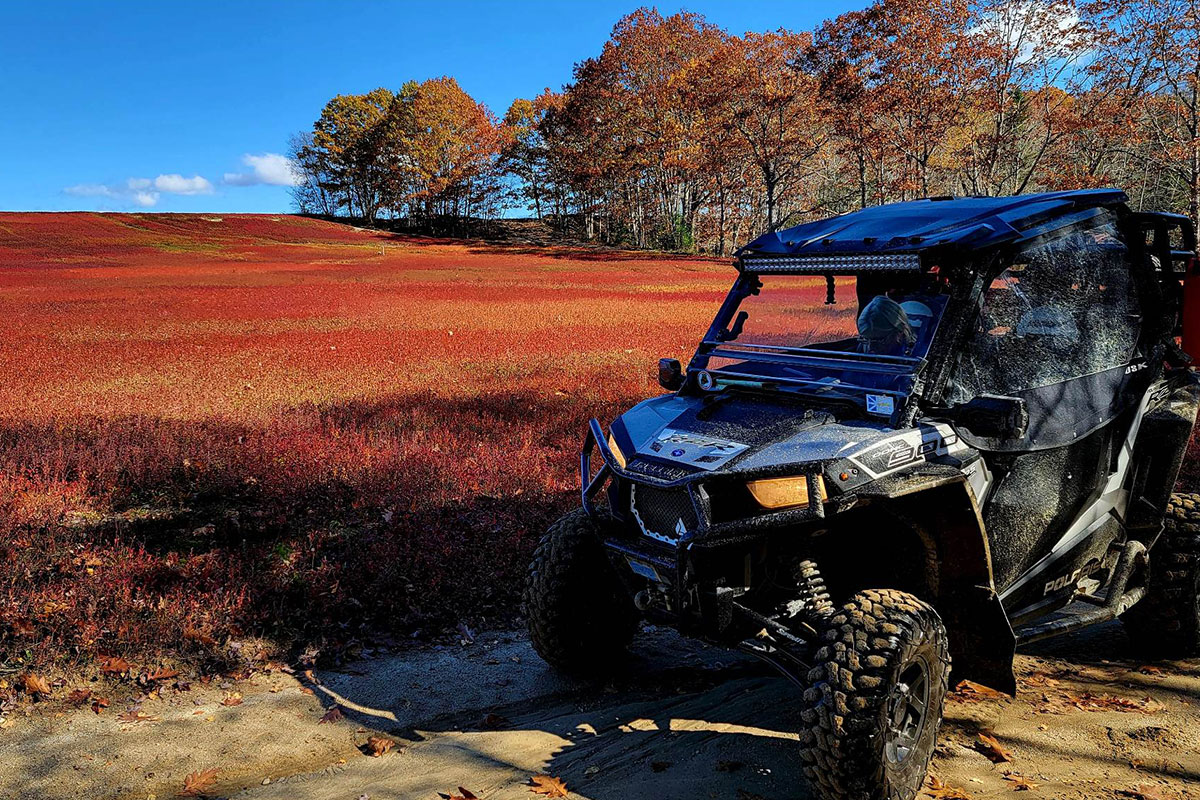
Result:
<point x="1060" y="327"/>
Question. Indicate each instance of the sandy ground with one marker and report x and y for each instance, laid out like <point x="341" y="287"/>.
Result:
<point x="686" y="722"/>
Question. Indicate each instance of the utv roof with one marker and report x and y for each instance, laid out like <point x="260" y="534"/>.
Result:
<point x="919" y="225"/>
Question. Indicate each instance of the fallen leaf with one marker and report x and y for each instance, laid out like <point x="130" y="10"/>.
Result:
<point x="969" y="690"/>
<point x="378" y="745"/>
<point x="198" y="782"/>
<point x="1105" y="702"/>
<point x="463" y="794"/>
<point x="199" y="636"/>
<point x="548" y="785"/>
<point x="36" y="684"/>
<point x="136" y="716"/>
<point x="162" y="675"/>
<point x="232" y="699"/>
<point x="1020" y="782"/>
<point x="990" y="747"/>
<point x="936" y="787"/>
<point x="1146" y="792"/>
<point x="1151" y="670"/>
<point x="79" y="696"/>
<point x="99" y="703"/>
<point x="114" y="665"/>
<point x="332" y="715"/>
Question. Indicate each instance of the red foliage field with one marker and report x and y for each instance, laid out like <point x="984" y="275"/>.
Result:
<point x="213" y="428"/>
<point x="217" y="428"/>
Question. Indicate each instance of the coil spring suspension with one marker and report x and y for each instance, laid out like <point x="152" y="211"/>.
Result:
<point x="812" y="597"/>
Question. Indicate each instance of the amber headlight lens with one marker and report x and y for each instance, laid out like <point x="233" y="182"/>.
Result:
<point x="783" y="492"/>
<point x="616" y="451"/>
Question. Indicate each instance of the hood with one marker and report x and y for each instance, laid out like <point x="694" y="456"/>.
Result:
<point x="738" y="432"/>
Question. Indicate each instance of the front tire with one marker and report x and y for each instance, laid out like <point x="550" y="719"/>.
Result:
<point x="1167" y="621"/>
<point x="581" y="620"/>
<point x="874" y="703"/>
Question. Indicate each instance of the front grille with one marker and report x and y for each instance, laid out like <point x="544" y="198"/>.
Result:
<point x="664" y="514"/>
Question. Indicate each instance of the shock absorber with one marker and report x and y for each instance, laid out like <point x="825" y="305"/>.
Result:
<point x="812" y="597"/>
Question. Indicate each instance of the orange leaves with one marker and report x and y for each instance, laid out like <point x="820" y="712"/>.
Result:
<point x="232" y="699"/>
<point x="198" y="636"/>
<point x="135" y="716"/>
<point x="1146" y="791"/>
<point x="971" y="691"/>
<point x="114" y="665"/>
<point x="99" y="703"/>
<point x="937" y="788"/>
<point x="463" y="794"/>
<point x="1020" y="783"/>
<point x="991" y="747"/>
<point x="197" y="783"/>
<point x="78" y="697"/>
<point x="548" y="786"/>
<point x="332" y="715"/>
<point x="36" y="685"/>
<point x="379" y="745"/>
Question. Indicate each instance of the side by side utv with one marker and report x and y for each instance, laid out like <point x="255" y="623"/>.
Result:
<point x="914" y="436"/>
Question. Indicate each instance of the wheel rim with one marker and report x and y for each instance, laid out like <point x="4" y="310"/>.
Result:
<point x="907" y="711"/>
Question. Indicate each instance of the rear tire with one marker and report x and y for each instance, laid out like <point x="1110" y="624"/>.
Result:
<point x="1166" y="622"/>
<point x="874" y="703"/>
<point x="581" y="620"/>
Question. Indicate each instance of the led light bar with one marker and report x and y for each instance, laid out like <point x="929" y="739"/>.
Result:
<point x="891" y="262"/>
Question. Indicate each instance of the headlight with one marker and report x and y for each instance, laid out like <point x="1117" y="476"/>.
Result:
<point x="783" y="492"/>
<point x="616" y="451"/>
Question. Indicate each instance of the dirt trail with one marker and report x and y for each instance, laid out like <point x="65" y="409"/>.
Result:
<point x="687" y="722"/>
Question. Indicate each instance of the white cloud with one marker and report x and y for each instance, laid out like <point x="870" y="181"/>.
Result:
<point x="143" y="192"/>
<point x="271" y="169"/>
<point x="1045" y="30"/>
<point x="177" y="184"/>
<point x="90" y="190"/>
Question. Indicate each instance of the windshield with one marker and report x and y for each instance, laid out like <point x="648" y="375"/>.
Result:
<point x="873" y="336"/>
<point x="874" y="316"/>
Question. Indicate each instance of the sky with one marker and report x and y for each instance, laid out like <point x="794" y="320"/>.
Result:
<point x="174" y="106"/>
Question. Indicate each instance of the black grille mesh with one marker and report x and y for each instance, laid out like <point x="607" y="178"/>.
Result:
<point x="660" y="511"/>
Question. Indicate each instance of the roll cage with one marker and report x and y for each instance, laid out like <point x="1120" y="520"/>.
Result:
<point x="1161" y="250"/>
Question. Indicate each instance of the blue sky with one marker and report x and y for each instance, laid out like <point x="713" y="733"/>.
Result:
<point x="151" y="105"/>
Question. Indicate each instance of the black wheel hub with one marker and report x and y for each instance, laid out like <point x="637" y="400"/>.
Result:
<point x="907" y="711"/>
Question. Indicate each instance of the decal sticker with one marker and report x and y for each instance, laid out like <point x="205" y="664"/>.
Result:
<point x="908" y="448"/>
<point x="645" y="570"/>
<point x="1159" y="393"/>
<point x="883" y="404"/>
<point x="706" y="452"/>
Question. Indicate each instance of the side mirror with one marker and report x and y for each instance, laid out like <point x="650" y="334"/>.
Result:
<point x="670" y="374"/>
<point x="989" y="415"/>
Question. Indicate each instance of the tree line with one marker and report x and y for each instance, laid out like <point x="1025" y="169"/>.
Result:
<point x="682" y="136"/>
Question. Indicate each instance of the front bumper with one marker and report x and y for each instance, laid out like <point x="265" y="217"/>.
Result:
<point x="700" y="487"/>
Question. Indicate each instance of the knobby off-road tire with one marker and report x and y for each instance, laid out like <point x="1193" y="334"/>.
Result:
<point x="874" y="703"/>
<point x="581" y="619"/>
<point x="1167" y="620"/>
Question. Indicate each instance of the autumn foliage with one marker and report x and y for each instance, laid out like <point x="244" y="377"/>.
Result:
<point x="218" y="428"/>
<point x="679" y="135"/>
